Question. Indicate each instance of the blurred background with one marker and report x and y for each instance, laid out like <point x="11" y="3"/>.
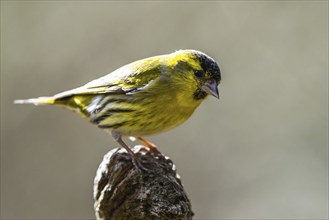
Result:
<point x="260" y="152"/>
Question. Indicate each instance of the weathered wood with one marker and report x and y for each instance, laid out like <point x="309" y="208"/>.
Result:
<point x="121" y="191"/>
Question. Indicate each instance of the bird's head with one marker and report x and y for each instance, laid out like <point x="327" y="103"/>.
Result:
<point x="199" y="68"/>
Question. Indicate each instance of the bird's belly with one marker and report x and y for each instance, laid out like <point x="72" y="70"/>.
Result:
<point x="153" y="121"/>
<point x="137" y="116"/>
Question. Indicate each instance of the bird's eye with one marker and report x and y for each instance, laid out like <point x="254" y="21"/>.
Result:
<point x="198" y="73"/>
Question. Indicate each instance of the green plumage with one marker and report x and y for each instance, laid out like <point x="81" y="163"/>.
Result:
<point x="145" y="97"/>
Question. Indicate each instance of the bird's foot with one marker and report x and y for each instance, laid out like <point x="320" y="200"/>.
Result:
<point x="153" y="148"/>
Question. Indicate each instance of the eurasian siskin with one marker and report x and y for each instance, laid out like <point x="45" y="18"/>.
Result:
<point x="145" y="97"/>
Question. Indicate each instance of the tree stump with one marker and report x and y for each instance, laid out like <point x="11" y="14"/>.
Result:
<point x="122" y="191"/>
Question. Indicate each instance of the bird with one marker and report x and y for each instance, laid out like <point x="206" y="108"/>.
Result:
<point x="143" y="98"/>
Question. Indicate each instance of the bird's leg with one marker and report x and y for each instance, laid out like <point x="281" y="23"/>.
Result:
<point x="153" y="147"/>
<point x="136" y="162"/>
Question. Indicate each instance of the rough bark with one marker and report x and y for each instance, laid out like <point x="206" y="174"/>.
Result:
<point x="122" y="191"/>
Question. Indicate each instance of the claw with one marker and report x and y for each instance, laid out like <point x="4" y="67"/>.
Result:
<point x="135" y="160"/>
<point x="153" y="148"/>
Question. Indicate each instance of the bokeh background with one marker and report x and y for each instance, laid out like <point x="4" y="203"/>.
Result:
<point x="260" y="152"/>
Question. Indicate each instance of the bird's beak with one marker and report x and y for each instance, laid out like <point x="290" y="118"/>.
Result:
<point x="211" y="88"/>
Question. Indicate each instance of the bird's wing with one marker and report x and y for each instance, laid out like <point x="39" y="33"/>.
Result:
<point x="127" y="79"/>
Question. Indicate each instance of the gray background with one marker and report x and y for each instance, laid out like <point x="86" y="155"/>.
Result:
<point x="259" y="152"/>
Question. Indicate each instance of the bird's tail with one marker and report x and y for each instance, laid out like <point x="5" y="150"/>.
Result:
<point x="37" y="101"/>
<point x="78" y="104"/>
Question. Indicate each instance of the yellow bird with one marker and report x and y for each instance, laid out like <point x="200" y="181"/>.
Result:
<point x="145" y="97"/>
